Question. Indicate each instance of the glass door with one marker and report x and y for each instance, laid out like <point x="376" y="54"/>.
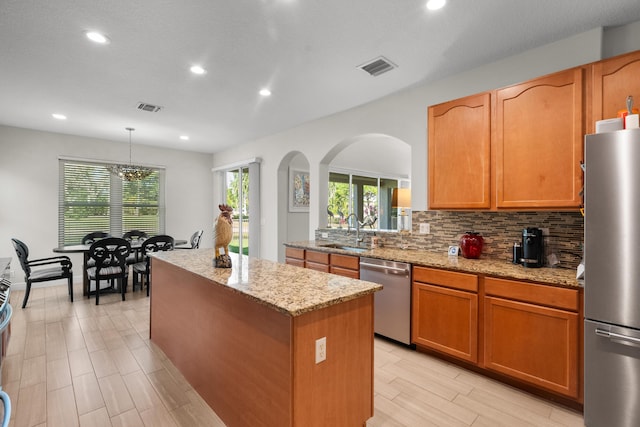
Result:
<point x="237" y="188"/>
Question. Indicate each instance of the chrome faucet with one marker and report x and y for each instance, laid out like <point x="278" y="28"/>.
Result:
<point x="358" y="238"/>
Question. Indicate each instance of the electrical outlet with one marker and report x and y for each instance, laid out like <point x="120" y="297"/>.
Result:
<point x="324" y="235"/>
<point x="321" y="349"/>
<point x="425" y="228"/>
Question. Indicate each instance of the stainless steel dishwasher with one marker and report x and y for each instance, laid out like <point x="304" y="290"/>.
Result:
<point x="393" y="302"/>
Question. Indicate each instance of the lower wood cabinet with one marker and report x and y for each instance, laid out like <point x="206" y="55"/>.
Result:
<point x="345" y="265"/>
<point x="531" y="332"/>
<point x="316" y="260"/>
<point x="445" y="312"/>
<point x="294" y="256"/>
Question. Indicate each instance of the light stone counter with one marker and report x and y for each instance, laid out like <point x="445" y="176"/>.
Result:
<point x="490" y="267"/>
<point x="288" y="289"/>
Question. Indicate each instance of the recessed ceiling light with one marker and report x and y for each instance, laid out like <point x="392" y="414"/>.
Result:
<point x="96" y="37"/>
<point x="436" y="4"/>
<point x="265" y="92"/>
<point x="59" y="116"/>
<point x="196" y="69"/>
<point x="184" y="137"/>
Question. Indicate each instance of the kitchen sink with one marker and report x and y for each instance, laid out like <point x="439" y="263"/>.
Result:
<point x="344" y="247"/>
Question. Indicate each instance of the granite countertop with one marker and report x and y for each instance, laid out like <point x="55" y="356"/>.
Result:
<point x="490" y="267"/>
<point x="286" y="288"/>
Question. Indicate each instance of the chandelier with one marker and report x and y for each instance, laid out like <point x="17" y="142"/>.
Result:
<point x="130" y="172"/>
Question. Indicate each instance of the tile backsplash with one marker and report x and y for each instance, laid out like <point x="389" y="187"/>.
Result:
<point x="500" y="231"/>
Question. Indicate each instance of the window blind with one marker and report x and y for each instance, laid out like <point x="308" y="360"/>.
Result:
<point x="92" y="199"/>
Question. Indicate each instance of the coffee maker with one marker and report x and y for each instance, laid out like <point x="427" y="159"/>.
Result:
<point x="532" y="247"/>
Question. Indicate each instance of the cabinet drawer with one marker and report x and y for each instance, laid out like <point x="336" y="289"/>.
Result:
<point x="318" y="257"/>
<point x="294" y="253"/>
<point x="294" y="261"/>
<point x="551" y="296"/>
<point x="345" y="261"/>
<point x="462" y="281"/>
<point x="346" y="272"/>
<point x="317" y="266"/>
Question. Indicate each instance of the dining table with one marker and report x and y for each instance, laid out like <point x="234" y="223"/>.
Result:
<point x="136" y="246"/>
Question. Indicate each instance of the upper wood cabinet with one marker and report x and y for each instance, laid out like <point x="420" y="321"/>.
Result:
<point x="460" y="153"/>
<point x="613" y="80"/>
<point x="517" y="147"/>
<point x="539" y="128"/>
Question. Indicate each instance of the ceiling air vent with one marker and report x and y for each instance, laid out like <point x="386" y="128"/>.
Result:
<point x="378" y="66"/>
<point x="148" y="107"/>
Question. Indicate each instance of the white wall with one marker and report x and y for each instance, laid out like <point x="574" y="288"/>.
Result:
<point x="29" y="188"/>
<point x="297" y="222"/>
<point x="377" y="154"/>
<point x="403" y="116"/>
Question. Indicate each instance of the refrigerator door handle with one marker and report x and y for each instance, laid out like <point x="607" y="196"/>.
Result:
<point x="618" y="337"/>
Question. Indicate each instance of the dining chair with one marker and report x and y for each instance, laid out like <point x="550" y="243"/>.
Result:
<point x="89" y="239"/>
<point x="143" y="267"/>
<point x="92" y="237"/>
<point x="194" y="241"/>
<point x="110" y="257"/>
<point x="46" y="269"/>
<point x="134" y="236"/>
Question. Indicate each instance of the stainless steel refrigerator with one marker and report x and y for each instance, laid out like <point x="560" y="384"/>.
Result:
<point x="612" y="279"/>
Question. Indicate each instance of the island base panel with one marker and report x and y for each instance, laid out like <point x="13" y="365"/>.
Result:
<point x="255" y="365"/>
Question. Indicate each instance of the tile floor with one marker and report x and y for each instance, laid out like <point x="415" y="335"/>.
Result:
<point x="85" y="365"/>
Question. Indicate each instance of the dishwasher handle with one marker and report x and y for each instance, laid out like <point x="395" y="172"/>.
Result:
<point x="382" y="268"/>
<point x="619" y="338"/>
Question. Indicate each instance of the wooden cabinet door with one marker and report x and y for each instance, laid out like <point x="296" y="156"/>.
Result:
<point x="346" y="272"/>
<point x="317" y="266"/>
<point x="316" y="260"/>
<point x="459" y="154"/>
<point x="345" y="265"/>
<point x="445" y="320"/>
<point x="613" y="80"/>
<point x="294" y="261"/>
<point x="294" y="256"/>
<point x="532" y="343"/>
<point x="539" y="128"/>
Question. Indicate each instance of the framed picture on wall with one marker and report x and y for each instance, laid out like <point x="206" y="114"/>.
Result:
<point x="298" y="191"/>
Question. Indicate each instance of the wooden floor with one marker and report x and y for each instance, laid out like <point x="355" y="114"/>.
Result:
<point x="78" y="364"/>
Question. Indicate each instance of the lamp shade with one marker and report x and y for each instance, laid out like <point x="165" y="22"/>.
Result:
<point x="401" y="198"/>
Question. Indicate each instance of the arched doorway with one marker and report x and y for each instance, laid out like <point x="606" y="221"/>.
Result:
<point x="293" y="219"/>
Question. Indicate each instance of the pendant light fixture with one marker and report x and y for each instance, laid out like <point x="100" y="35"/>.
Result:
<point x="130" y="172"/>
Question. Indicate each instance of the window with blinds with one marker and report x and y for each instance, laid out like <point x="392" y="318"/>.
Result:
<point x="92" y="199"/>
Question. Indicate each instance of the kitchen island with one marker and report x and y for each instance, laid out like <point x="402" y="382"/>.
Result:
<point x="246" y="338"/>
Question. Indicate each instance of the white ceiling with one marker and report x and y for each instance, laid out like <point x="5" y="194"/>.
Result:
<point x="305" y="51"/>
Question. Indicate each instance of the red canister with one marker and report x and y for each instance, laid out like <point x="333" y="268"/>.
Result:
<point x="471" y="244"/>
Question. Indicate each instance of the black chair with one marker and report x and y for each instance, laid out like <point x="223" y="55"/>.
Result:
<point x="194" y="241"/>
<point x="110" y="257"/>
<point x="59" y="267"/>
<point x="134" y="236"/>
<point x="93" y="237"/>
<point x="142" y="268"/>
